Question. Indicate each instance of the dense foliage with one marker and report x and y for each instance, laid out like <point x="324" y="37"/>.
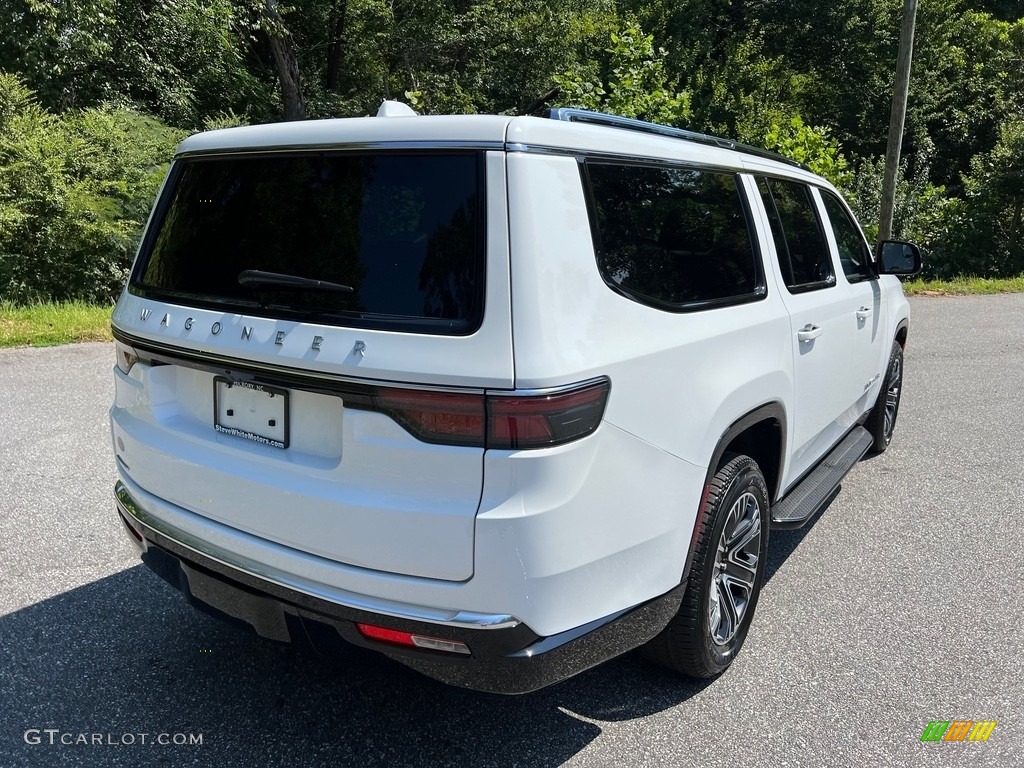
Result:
<point x="94" y="95"/>
<point x="74" y="191"/>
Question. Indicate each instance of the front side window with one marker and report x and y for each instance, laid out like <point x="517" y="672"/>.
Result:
<point x="674" y="238"/>
<point x="403" y="231"/>
<point x="803" y="252"/>
<point x="854" y="254"/>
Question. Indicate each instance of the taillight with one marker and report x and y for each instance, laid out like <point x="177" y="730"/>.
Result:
<point x="126" y="356"/>
<point x="496" y="420"/>
<point x="542" y="420"/>
<point x="435" y="417"/>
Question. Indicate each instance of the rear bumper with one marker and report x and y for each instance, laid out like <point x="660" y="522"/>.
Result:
<point x="506" y="656"/>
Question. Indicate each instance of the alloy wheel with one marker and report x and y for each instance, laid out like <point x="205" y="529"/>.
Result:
<point x="892" y="395"/>
<point x="735" y="571"/>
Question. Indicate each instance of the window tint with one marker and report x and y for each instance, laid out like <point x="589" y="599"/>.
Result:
<point x="800" y="244"/>
<point x="673" y="237"/>
<point x="854" y="254"/>
<point x="401" y="229"/>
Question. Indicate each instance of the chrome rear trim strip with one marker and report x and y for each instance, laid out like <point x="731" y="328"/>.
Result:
<point x="462" y="619"/>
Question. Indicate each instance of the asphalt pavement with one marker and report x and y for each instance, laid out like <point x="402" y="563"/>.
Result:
<point x="899" y="605"/>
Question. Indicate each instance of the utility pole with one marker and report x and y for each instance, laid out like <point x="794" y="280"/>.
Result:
<point x="897" y="118"/>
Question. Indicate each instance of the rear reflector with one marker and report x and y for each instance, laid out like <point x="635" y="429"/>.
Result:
<point x="495" y="420"/>
<point x="409" y="640"/>
<point x="131" y="530"/>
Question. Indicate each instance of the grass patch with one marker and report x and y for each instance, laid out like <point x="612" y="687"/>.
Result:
<point x="964" y="286"/>
<point x="43" y="325"/>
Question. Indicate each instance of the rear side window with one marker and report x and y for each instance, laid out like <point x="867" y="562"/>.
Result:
<point x="403" y="231"/>
<point x="674" y="238"/>
<point x="803" y="252"/>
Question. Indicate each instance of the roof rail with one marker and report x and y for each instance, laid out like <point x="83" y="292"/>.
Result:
<point x="572" y="115"/>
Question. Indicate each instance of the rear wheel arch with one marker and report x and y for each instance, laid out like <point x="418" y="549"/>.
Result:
<point x="759" y="434"/>
<point x="902" y="329"/>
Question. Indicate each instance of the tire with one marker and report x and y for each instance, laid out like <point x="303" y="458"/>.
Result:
<point x="725" y="578"/>
<point x="882" y="419"/>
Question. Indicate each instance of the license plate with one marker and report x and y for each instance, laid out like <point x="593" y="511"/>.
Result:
<point x="253" y="411"/>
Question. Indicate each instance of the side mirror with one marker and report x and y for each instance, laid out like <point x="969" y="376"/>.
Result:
<point x="897" y="257"/>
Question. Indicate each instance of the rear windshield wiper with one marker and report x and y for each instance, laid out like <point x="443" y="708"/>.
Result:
<point x="257" y="277"/>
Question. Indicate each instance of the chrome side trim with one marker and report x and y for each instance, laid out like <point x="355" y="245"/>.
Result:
<point x="358" y="146"/>
<point x="461" y="619"/>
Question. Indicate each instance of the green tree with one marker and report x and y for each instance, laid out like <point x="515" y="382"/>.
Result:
<point x="1007" y="10"/>
<point x="814" y="147"/>
<point x="984" y="234"/>
<point x="966" y="88"/>
<point x="75" y="191"/>
<point x="495" y="56"/>
<point x="178" y="60"/>
<point x="922" y="209"/>
<point x="636" y="84"/>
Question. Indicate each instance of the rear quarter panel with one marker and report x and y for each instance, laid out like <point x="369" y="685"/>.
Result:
<point x="678" y="381"/>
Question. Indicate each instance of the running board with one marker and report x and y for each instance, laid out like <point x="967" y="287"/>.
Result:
<point x="813" y="491"/>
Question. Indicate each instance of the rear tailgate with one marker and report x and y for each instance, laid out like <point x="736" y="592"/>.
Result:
<point x="318" y="451"/>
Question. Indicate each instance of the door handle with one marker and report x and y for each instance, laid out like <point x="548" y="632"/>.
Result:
<point x="809" y="332"/>
<point x="864" y="313"/>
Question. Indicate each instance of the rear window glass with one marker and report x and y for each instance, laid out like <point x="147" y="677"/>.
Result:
<point x="404" y="231"/>
<point x="674" y="238"/>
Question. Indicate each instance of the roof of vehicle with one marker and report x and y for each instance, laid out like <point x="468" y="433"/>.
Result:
<point x="461" y="130"/>
<point x="572" y="132"/>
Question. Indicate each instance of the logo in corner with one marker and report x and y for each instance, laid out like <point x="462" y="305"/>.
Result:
<point x="958" y="730"/>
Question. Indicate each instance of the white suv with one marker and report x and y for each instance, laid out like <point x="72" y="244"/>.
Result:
<point x="500" y="397"/>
